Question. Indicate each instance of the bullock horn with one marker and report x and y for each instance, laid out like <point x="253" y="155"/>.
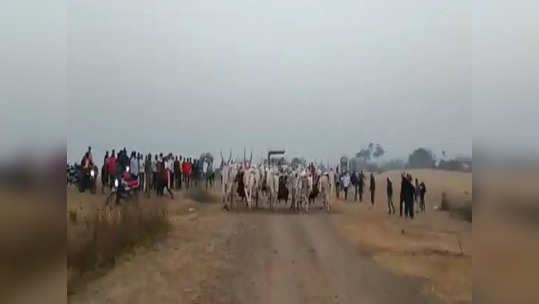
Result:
<point x="230" y="157"/>
<point x="251" y="158"/>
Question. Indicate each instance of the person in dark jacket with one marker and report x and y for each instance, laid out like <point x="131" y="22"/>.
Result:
<point x="105" y="172"/>
<point x="361" y="185"/>
<point x="422" y="191"/>
<point x="403" y="188"/>
<point x="148" y="175"/>
<point x="409" y="195"/>
<point x="355" y="184"/>
<point x="176" y="173"/>
<point x="372" y="188"/>
<point x="390" y="206"/>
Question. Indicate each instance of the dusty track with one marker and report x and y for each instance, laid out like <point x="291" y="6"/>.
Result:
<point x="261" y="257"/>
<point x="354" y="255"/>
<point x="300" y="259"/>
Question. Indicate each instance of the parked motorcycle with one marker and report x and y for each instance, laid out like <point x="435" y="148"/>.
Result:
<point x="123" y="188"/>
<point x="88" y="179"/>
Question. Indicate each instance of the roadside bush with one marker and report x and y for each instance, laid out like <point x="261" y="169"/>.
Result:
<point x="109" y="233"/>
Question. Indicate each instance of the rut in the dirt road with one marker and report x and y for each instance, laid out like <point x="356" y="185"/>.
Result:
<point x="300" y="259"/>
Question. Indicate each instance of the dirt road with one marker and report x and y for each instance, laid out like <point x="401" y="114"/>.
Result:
<point x="300" y="259"/>
<point x="213" y="256"/>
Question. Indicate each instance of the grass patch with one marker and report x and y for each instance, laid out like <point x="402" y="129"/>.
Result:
<point x="108" y="234"/>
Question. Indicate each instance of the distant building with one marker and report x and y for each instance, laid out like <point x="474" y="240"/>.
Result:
<point x="460" y="163"/>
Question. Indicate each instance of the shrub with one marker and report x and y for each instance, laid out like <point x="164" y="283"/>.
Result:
<point x="109" y="233"/>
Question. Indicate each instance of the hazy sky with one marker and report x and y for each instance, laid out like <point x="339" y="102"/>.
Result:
<point x="317" y="78"/>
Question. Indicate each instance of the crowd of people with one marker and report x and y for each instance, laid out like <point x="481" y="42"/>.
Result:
<point x="165" y="172"/>
<point x="411" y="193"/>
<point x="154" y="173"/>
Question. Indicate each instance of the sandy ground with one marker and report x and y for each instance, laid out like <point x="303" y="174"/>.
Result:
<point x="354" y="255"/>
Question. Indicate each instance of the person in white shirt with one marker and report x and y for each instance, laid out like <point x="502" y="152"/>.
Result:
<point x="141" y="170"/>
<point x="134" y="170"/>
<point x="154" y="172"/>
<point x="169" y="166"/>
<point x="345" y="184"/>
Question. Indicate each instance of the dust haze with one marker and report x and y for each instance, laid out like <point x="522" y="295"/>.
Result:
<point x="317" y="79"/>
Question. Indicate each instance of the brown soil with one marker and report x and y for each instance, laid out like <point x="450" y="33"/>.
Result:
<point x="354" y="255"/>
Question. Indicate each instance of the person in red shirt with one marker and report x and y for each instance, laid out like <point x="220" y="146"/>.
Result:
<point x="112" y="168"/>
<point x="184" y="170"/>
<point x="189" y="168"/>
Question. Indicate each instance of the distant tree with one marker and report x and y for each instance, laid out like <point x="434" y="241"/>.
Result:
<point x="394" y="164"/>
<point x="364" y="154"/>
<point x="378" y="151"/>
<point x="421" y="158"/>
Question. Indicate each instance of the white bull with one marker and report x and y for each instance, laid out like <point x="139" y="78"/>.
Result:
<point x="250" y="181"/>
<point x="272" y="185"/>
<point x="229" y="173"/>
<point x="325" y="190"/>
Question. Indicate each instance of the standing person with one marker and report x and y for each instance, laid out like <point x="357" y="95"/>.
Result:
<point x="165" y="175"/>
<point x="409" y="195"/>
<point x="154" y="172"/>
<point x="171" y="170"/>
<point x="133" y="165"/>
<point x="390" y="206"/>
<point x="105" y="172"/>
<point x="194" y="172"/>
<point x="204" y="166"/>
<point x="345" y="184"/>
<point x="106" y="158"/>
<point x="90" y="156"/>
<point x="124" y="161"/>
<point x="112" y="168"/>
<point x="337" y="181"/>
<point x="184" y="171"/>
<point x="148" y="174"/>
<point x="180" y="175"/>
<point x="403" y="189"/>
<point x="176" y="172"/>
<point x="159" y="176"/>
<point x="361" y="185"/>
<point x="416" y="195"/>
<point x="189" y="168"/>
<point x="355" y="184"/>
<point x="372" y="188"/>
<point x="166" y="163"/>
<point x="422" y="191"/>
<point x="140" y="164"/>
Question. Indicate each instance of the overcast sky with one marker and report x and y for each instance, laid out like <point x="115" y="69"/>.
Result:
<point x="317" y="78"/>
